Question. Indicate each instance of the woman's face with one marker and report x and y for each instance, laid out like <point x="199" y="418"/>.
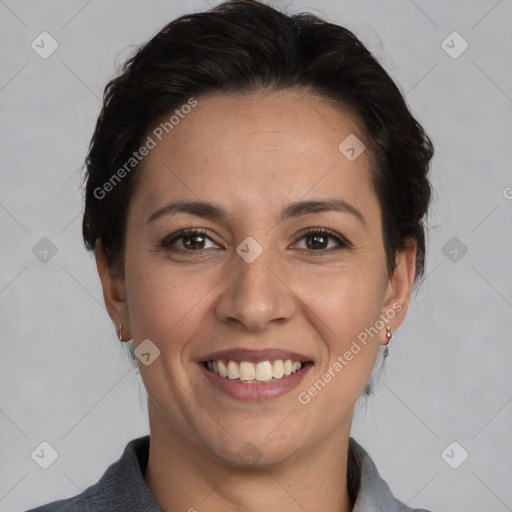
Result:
<point x="255" y="287"/>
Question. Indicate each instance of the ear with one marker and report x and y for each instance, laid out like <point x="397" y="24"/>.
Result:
<point x="113" y="292"/>
<point x="399" y="287"/>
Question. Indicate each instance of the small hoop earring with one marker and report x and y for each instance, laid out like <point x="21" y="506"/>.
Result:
<point x="120" y="332"/>
<point x="389" y="335"/>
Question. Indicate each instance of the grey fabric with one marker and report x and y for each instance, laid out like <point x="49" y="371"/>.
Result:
<point x="122" y="487"/>
<point x="374" y="494"/>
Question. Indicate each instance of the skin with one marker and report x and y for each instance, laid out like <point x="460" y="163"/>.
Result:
<point x="254" y="155"/>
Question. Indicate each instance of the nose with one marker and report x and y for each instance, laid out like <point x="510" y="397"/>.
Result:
<point x="255" y="295"/>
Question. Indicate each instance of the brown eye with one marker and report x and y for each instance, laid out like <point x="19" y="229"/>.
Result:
<point x="317" y="241"/>
<point x="188" y="240"/>
<point x="193" y="241"/>
<point x="321" y="241"/>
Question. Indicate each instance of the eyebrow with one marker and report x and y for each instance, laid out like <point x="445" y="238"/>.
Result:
<point x="293" y="210"/>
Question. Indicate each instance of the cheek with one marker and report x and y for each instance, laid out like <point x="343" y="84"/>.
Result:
<point x="165" y="303"/>
<point x="346" y="307"/>
<point x="345" y="300"/>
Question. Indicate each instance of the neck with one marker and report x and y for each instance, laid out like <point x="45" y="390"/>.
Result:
<point x="181" y="476"/>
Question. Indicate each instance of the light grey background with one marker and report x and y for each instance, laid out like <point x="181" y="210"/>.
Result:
<point x="66" y="380"/>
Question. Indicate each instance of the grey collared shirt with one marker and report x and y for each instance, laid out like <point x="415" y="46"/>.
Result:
<point x="122" y="487"/>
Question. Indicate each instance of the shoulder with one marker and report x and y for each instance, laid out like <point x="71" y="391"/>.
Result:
<point x="121" y="488"/>
<point x="93" y="498"/>
<point x="369" y="489"/>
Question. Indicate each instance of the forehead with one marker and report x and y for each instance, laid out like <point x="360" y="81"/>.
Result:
<point x="254" y="150"/>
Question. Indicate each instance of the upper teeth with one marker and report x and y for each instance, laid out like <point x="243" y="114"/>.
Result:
<point x="259" y="372"/>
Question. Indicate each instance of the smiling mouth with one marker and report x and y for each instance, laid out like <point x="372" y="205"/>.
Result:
<point x="251" y="373"/>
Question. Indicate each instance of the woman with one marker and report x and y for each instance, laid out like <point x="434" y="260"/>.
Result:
<point x="255" y="196"/>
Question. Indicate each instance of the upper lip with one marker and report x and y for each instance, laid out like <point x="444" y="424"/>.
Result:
<point x="244" y="354"/>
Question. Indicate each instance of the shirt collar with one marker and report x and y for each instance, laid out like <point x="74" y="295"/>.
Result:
<point x="372" y="492"/>
<point x="125" y="482"/>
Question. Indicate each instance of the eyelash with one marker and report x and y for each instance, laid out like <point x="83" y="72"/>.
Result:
<point x="170" y="240"/>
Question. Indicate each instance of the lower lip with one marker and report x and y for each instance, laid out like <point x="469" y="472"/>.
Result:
<point x="259" y="391"/>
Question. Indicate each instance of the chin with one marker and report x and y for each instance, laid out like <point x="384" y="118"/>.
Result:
<point x="255" y="450"/>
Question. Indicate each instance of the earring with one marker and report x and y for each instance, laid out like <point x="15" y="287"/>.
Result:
<point x="120" y="332"/>
<point x="389" y="335"/>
